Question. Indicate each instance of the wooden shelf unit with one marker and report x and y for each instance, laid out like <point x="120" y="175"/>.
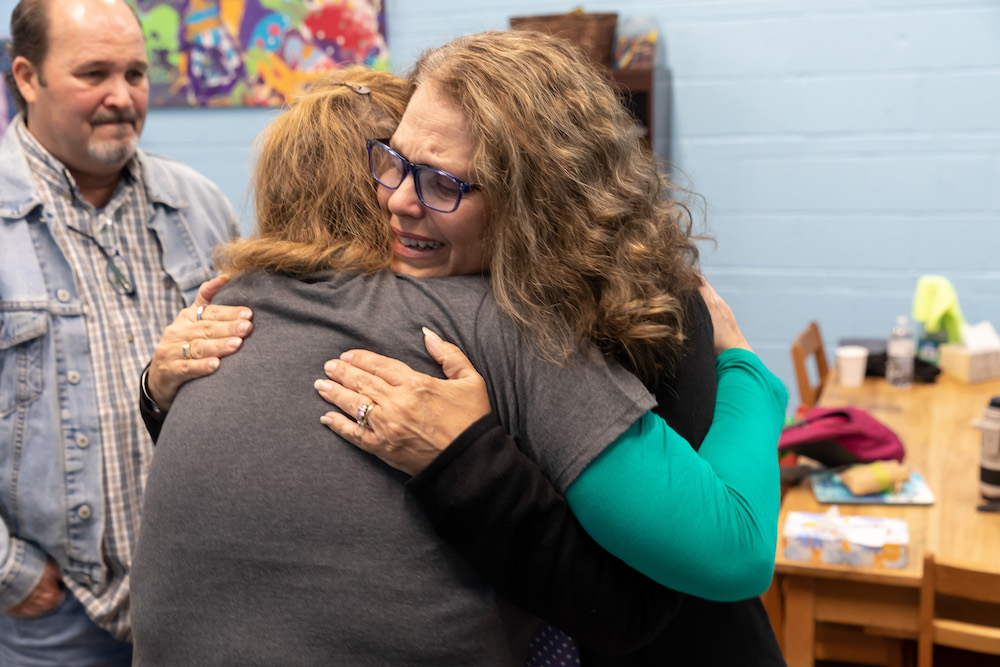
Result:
<point x="646" y="94"/>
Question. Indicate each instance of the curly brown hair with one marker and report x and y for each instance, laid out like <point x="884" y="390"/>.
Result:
<point x="316" y="203"/>
<point x="585" y="242"/>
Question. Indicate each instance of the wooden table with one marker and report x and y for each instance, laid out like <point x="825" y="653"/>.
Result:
<point x="830" y="608"/>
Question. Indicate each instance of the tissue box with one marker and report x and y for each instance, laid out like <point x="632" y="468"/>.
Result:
<point x="967" y="366"/>
<point x="847" y="540"/>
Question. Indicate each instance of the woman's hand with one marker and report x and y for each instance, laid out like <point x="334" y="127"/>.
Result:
<point x="414" y="417"/>
<point x="727" y="332"/>
<point x="209" y="332"/>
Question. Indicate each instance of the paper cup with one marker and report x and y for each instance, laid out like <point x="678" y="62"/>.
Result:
<point x="851" y="363"/>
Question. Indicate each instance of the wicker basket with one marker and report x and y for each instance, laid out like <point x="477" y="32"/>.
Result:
<point x="594" y="33"/>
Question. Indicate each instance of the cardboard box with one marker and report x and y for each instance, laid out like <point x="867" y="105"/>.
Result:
<point x="846" y="540"/>
<point x="967" y="366"/>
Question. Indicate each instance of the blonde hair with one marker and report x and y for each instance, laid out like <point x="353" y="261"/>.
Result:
<point x="316" y="203"/>
<point x="584" y="240"/>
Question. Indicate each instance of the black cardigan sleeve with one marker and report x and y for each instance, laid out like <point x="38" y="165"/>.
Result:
<point x="489" y="500"/>
<point x="152" y="416"/>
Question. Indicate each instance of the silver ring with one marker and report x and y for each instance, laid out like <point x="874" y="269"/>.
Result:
<point x="186" y="348"/>
<point x="197" y="313"/>
<point x="364" y="410"/>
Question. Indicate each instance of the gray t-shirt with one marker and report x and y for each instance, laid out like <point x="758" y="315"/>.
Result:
<point x="268" y="540"/>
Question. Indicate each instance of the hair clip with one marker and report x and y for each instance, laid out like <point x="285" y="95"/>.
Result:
<point x="360" y="90"/>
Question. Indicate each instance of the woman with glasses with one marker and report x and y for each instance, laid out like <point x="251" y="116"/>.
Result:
<point x="524" y="168"/>
<point x="262" y="539"/>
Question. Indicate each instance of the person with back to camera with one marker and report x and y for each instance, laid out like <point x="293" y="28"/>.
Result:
<point x="100" y="245"/>
<point x="582" y="243"/>
<point x="286" y="206"/>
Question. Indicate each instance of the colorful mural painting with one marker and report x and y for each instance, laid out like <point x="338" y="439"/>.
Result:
<point x="254" y="52"/>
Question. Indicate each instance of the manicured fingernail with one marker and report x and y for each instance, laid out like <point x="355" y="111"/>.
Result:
<point x="243" y="327"/>
<point x="330" y="366"/>
<point x="323" y="385"/>
<point x="245" y="314"/>
<point x="430" y="334"/>
<point x="213" y="364"/>
<point x="234" y="343"/>
<point x="325" y="421"/>
<point x="347" y="356"/>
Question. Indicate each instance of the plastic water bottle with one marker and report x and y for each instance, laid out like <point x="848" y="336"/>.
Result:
<point x="900" y="352"/>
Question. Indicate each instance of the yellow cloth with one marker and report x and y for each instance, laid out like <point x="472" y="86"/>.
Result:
<point x="935" y="304"/>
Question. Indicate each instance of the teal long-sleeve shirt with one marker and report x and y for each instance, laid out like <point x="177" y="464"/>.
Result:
<point x="705" y="522"/>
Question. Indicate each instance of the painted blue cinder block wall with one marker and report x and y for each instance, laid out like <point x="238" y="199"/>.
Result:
<point x="843" y="147"/>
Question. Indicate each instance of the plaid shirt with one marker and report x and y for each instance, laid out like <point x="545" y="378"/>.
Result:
<point x="122" y="332"/>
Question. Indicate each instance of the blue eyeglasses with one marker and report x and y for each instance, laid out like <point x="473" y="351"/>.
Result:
<point x="437" y="190"/>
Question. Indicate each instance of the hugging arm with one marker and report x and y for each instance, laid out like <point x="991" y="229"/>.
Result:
<point x="702" y="523"/>
<point x="491" y="502"/>
<point x="487" y="498"/>
<point x="192" y="346"/>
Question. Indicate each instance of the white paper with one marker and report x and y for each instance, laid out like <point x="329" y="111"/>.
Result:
<point x="980" y="337"/>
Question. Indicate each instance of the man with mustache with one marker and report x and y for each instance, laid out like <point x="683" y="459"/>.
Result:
<point x="101" y="245"/>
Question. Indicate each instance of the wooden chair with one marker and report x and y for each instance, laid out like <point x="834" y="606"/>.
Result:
<point x="807" y="344"/>
<point x="959" y="607"/>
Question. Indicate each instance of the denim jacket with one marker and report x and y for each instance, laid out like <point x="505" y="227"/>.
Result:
<point x="51" y="489"/>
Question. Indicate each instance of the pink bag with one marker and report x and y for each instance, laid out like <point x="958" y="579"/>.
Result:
<point x="839" y="436"/>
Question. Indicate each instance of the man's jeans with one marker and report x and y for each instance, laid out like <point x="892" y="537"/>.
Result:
<point x="62" y="636"/>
